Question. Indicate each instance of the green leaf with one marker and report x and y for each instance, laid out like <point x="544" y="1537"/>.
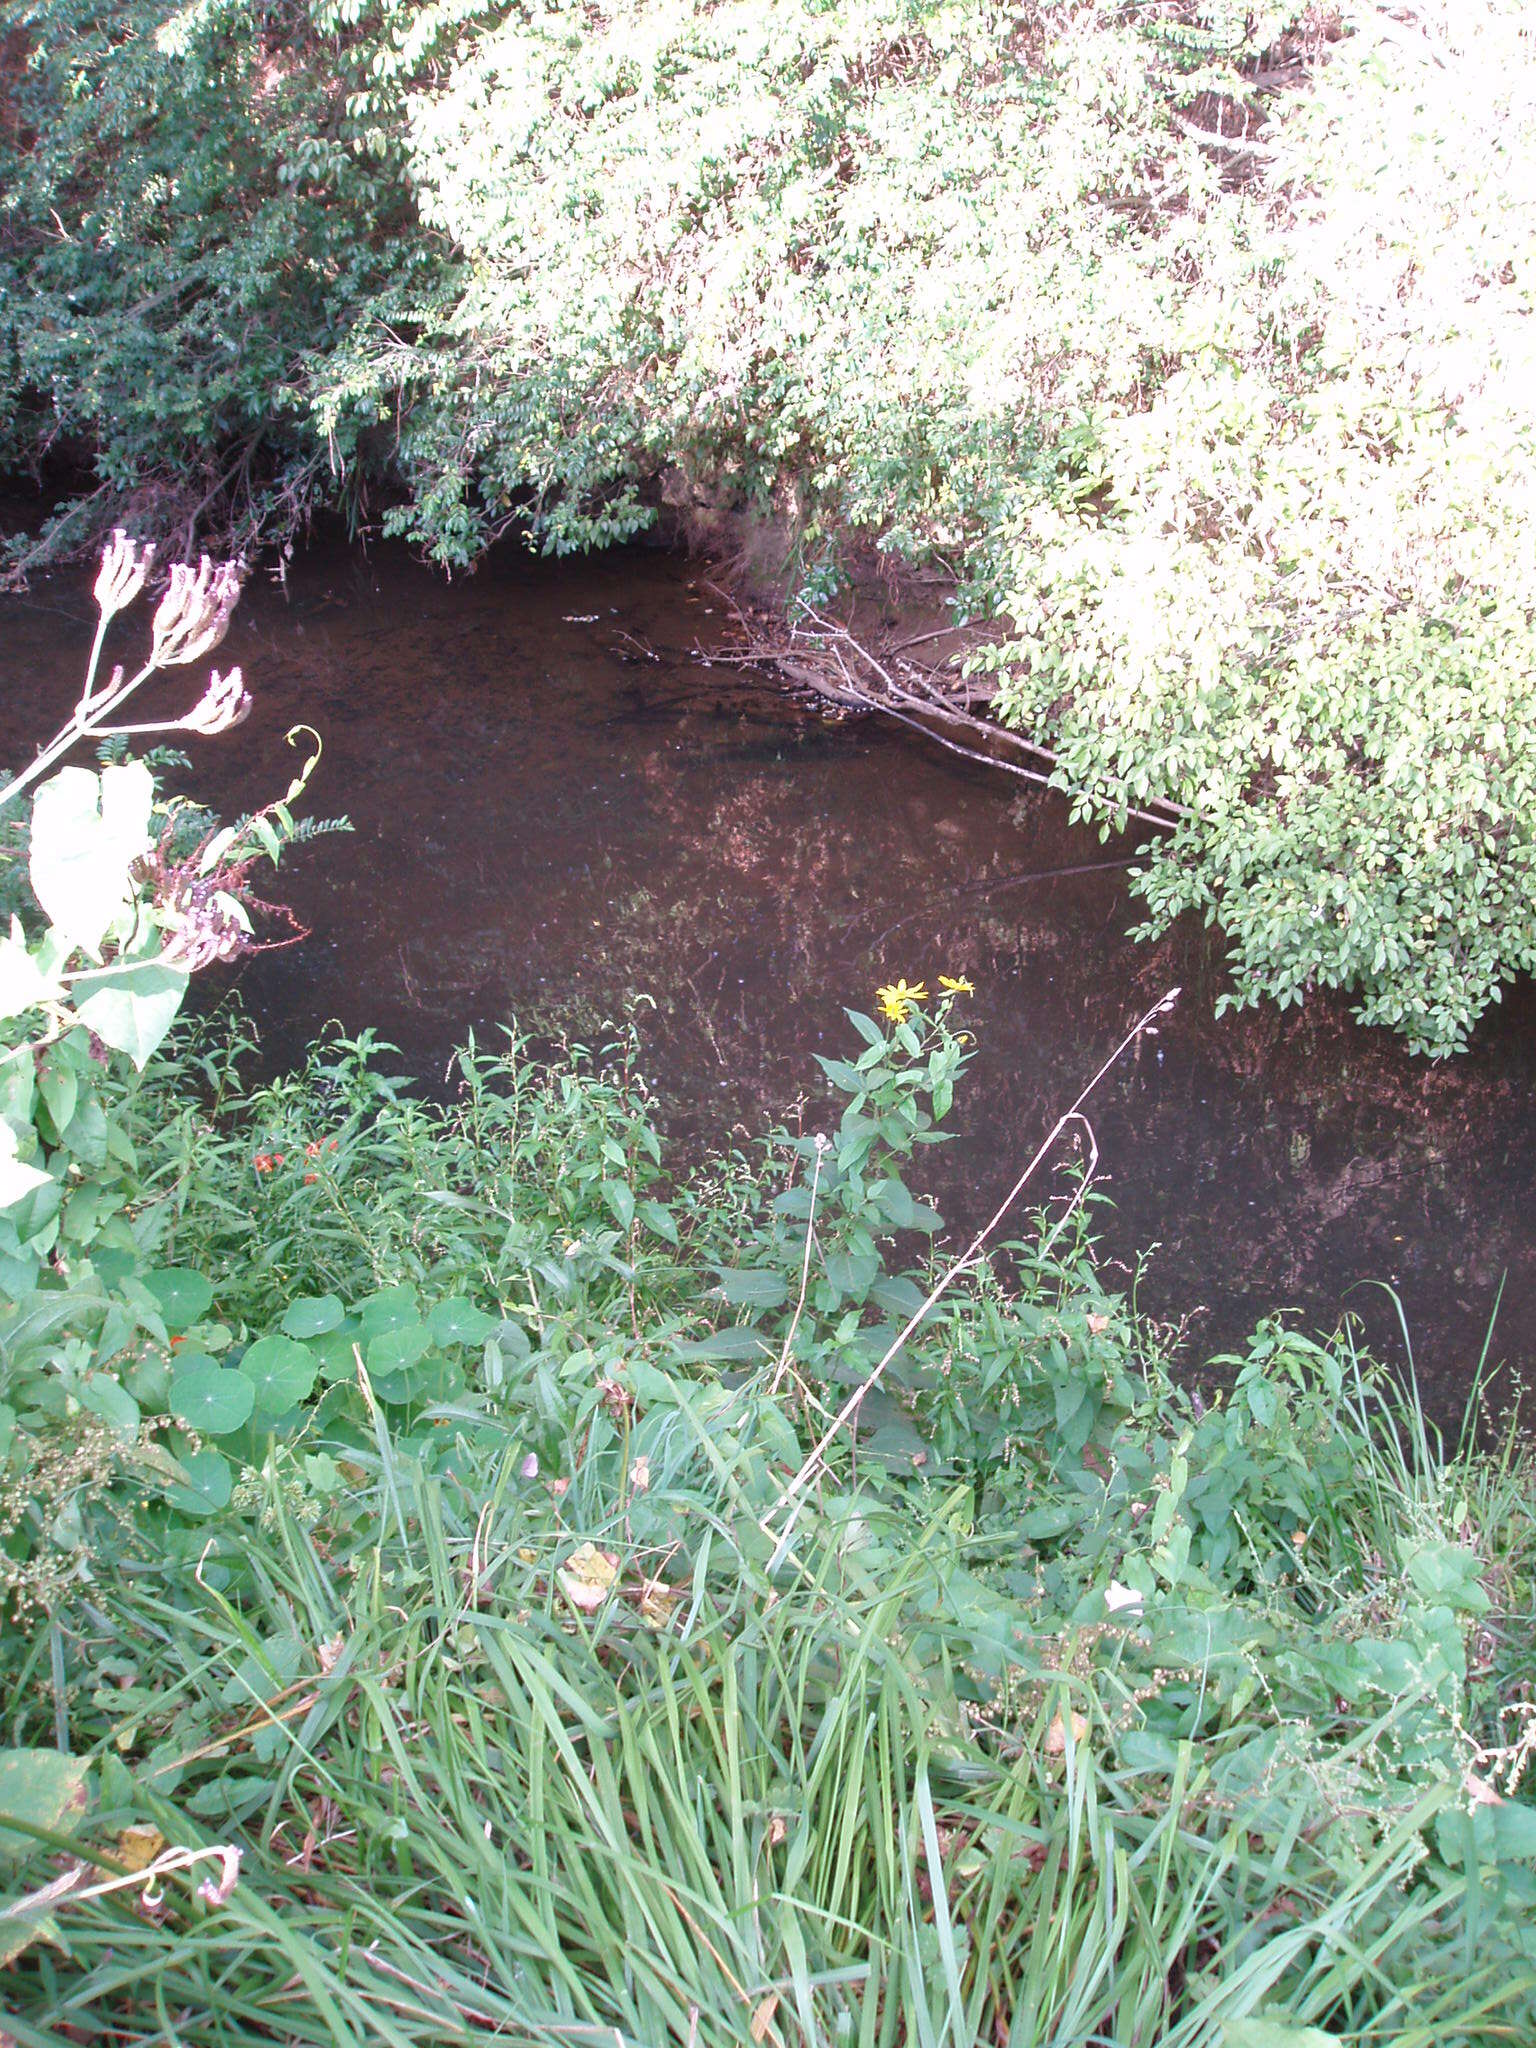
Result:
<point x="87" y="831"/>
<point x="42" y="1789"/>
<point x="23" y="984"/>
<point x="753" y="1286"/>
<point x="212" y="1399"/>
<point x="1262" y="2033"/>
<point x="103" y="1395"/>
<point x="393" y="1350"/>
<point x="17" y="1180"/>
<point x="724" y="1347"/>
<point x="1514" y="1831"/>
<point x="208" y="1485"/>
<point x="900" y="1210"/>
<point x="390" y="1309"/>
<point x="281" y="1373"/>
<point x="658" y="1217"/>
<point x="312" y="1316"/>
<point x="131" y="1008"/>
<point x="1447" y="1571"/>
<point x="457" y="1321"/>
<point x="59" y="1087"/>
<point x="842" y="1076"/>
<point x="184" y="1296"/>
<point x="620" y="1198"/>
<point x="866" y="1027"/>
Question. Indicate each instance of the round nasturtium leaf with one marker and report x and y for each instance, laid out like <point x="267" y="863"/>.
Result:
<point x="209" y="1483"/>
<point x="280" y="1372"/>
<point x="183" y="1296"/>
<point x="390" y="1309"/>
<point x="212" y="1400"/>
<point x="313" y="1316"/>
<point x="457" y="1321"/>
<point x="393" y="1350"/>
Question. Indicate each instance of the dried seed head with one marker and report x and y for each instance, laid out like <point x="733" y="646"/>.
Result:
<point x="125" y="567"/>
<point x="225" y="703"/>
<point x="194" y="613"/>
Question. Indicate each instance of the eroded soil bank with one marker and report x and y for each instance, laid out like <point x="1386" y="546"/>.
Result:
<point x="560" y="797"/>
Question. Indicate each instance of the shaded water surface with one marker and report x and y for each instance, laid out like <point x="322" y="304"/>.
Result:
<point x="559" y="800"/>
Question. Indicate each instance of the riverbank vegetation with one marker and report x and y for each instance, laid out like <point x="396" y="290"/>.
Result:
<point x="435" y="1616"/>
<point x="1189" y="344"/>
<point x="466" y="1573"/>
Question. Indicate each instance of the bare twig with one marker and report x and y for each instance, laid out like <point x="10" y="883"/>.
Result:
<point x="805" y="1269"/>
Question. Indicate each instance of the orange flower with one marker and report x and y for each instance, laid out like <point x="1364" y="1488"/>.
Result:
<point x="309" y="1177"/>
<point x="263" y="1162"/>
<point x="313" y="1149"/>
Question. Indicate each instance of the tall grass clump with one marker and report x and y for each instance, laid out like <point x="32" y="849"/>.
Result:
<point x="515" y="1668"/>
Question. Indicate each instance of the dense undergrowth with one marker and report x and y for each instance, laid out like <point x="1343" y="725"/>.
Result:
<point x="437" y="1549"/>
<point x="1191" y="341"/>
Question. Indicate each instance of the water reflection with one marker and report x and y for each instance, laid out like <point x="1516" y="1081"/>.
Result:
<point x="560" y="800"/>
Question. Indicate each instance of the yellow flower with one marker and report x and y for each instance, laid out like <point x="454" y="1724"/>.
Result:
<point x="957" y="985"/>
<point x="897" y="998"/>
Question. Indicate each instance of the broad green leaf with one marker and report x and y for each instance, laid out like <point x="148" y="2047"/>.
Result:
<point x="42" y="1789"/>
<point x="897" y="1205"/>
<point x="725" y="1347"/>
<point x="184" y="1296"/>
<point x="312" y="1316"/>
<point x="23" y="984"/>
<point x="620" y="1198"/>
<point x="17" y="1179"/>
<point x="753" y="1286"/>
<point x="389" y="1309"/>
<point x="131" y="1008"/>
<point x="457" y="1321"/>
<point x="1514" y="1831"/>
<point x="280" y="1371"/>
<point x="212" y="1399"/>
<point x="658" y="1217"/>
<point x="208" y="1484"/>
<point x="103" y="1395"/>
<point x="87" y="831"/>
<point x="393" y="1350"/>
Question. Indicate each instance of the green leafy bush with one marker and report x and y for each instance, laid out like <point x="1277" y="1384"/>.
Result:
<point x="1191" y="343"/>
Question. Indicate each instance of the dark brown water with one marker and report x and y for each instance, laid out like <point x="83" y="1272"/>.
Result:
<point x="549" y="817"/>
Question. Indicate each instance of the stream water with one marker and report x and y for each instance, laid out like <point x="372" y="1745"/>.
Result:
<point x="559" y="799"/>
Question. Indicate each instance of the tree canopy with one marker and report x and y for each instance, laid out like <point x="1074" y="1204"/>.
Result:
<point x="1193" y="341"/>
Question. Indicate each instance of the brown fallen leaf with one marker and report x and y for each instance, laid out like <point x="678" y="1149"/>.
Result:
<point x="1056" y="1734"/>
<point x="762" y="2019"/>
<point x="587" y="1577"/>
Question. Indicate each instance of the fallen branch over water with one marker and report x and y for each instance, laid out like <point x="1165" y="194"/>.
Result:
<point x="832" y="663"/>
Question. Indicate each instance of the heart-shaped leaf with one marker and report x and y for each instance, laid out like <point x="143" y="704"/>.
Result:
<point x="131" y="1007"/>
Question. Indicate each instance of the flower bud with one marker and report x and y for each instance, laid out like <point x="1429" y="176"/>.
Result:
<point x="225" y="703"/>
<point x="194" y="613"/>
<point x="125" y="568"/>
